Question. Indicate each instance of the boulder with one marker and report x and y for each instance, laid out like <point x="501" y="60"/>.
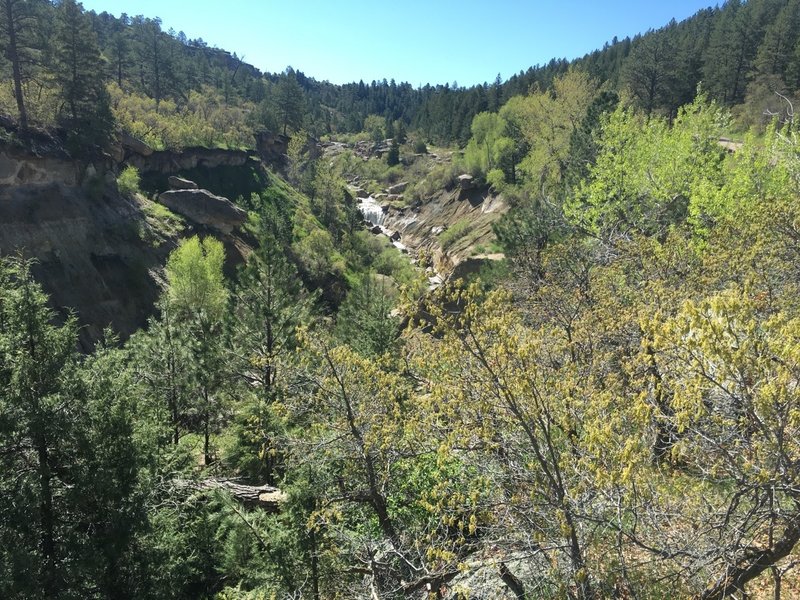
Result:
<point x="204" y="208"/>
<point x="179" y="183"/>
<point x="361" y="193"/>
<point x="272" y="147"/>
<point x="394" y="197"/>
<point x="134" y="144"/>
<point x="395" y="236"/>
<point x="117" y="152"/>
<point x="397" y="188"/>
<point x="466" y="181"/>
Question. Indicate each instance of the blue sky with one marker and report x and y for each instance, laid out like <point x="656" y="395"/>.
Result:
<point x="433" y="41"/>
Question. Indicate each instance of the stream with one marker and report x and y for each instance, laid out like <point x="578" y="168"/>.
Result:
<point x="374" y="215"/>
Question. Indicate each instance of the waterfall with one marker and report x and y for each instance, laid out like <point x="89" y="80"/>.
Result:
<point x="372" y="211"/>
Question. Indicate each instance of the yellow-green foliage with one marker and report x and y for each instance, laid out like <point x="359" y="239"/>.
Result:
<point x="318" y="255"/>
<point x="41" y="101"/>
<point x="648" y="171"/>
<point x="480" y="155"/>
<point x="375" y="127"/>
<point x="128" y="180"/>
<point x="196" y="283"/>
<point x="163" y="219"/>
<point x="455" y="232"/>
<point x="205" y="120"/>
<point x="439" y="178"/>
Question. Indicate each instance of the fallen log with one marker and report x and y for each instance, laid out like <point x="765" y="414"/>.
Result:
<point x="266" y="497"/>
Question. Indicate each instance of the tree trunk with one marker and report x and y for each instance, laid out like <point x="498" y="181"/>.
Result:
<point x="314" y="565"/>
<point x="513" y="583"/>
<point x="206" y="453"/>
<point x="46" y="518"/>
<point x="777" y="578"/>
<point x="736" y="577"/>
<point x="13" y="56"/>
<point x="267" y="497"/>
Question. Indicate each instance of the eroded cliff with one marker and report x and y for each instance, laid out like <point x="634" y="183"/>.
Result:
<point x="97" y="252"/>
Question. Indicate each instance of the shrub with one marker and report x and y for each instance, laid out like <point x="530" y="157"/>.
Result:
<point x="497" y="179"/>
<point x="128" y="181"/>
<point x="440" y="178"/>
<point x="420" y="147"/>
<point x="454" y="233"/>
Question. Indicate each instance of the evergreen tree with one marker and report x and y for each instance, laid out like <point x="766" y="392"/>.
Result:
<point x="68" y="464"/>
<point x="365" y="321"/>
<point x="37" y="367"/>
<point x="16" y="21"/>
<point x="289" y="101"/>
<point x="780" y="39"/>
<point x="86" y="114"/>
<point x="121" y="54"/>
<point x="650" y="71"/>
<point x="270" y="304"/>
<point x="393" y="156"/>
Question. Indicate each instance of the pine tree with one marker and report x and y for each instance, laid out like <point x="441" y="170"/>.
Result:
<point x="199" y="299"/>
<point x="16" y="21"/>
<point x="393" y="156"/>
<point x="36" y="358"/>
<point x="86" y="114"/>
<point x="289" y="101"/>
<point x="650" y="70"/>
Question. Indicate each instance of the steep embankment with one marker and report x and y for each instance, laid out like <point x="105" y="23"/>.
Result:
<point x="443" y="220"/>
<point x="97" y="252"/>
<point x="452" y="229"/>
<point x="88" y="247"/>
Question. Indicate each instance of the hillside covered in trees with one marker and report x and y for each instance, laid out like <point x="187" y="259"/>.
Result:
<point x="173" y="91"/>
<point x="610" y="411"/>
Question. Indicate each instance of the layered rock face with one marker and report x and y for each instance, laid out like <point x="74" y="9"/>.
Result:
<point x="97" y="252"/>
<point x="17" y="168"/>
<point x="421" y="226"/>
<point x="168" y="161"/>
<point x="89" y="253"/>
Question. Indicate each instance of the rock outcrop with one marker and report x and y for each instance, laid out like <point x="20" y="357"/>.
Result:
<point x="466" y="181"/>
<point x="134" y="145"/>
<point x="420" y="226"/>
<point x="204" y="208"/>
<point x="168" y="161"/>
<point x="397" y="188"/>
<point x="179" y="183"/>
<point x="18" y="168"/>
<point x="272" y="147"/>
<point x="90" y="255"/>
<point x="96" y="252"/>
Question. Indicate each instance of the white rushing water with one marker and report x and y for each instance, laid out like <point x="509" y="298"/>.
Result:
<point x="374" y="215"/>
<point x="372" y="211"/>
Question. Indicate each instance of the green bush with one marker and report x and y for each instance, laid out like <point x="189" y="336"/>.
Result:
<point x="128" y="181"/>
<point x="441" y="177"/>
<point x="454" y="233"/>
<point x="420" y="147"/>
<point x="497" y="179"/>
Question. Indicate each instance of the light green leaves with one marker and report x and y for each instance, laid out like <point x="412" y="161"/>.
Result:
<point x="196" y="283"/>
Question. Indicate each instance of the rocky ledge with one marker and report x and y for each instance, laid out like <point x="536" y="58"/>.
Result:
<point x="204" y="208"/>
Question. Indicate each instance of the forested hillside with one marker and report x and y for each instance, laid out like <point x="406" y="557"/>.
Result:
<point x="172" y="91"/>
<point x="611" y="411"/>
